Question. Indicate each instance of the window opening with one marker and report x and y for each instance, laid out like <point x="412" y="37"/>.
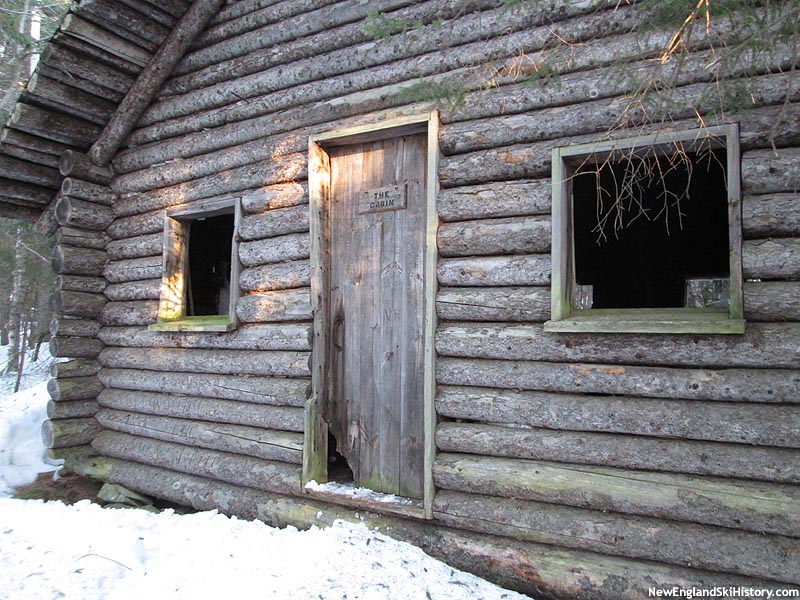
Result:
<point x="208" y="284"/>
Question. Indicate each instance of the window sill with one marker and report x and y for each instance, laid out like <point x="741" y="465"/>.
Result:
<point x="347" y="494"/>
<point x="647" y="320"/>
<point x="211" y="323"/>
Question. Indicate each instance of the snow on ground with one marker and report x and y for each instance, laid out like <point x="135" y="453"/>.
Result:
<point x="85" y="552"/>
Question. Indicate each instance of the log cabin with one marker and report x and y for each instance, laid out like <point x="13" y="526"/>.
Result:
<point x="515" y="281"/>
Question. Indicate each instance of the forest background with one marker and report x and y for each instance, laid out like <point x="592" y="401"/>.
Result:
<point x="26" y="278"/>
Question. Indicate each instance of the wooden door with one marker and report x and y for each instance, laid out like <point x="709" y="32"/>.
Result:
<point x="377" y="235"/>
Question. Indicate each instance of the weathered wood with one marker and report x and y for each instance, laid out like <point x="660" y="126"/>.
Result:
<point x="539" y="570"/>
<point x="282" y="169"/>
<point x="104" y="39"/>
<point x="78" y="283"/>
<point x="73" y="460"/>
<point x="134" y="312"/>
<point x="64" y="97"/>
<point x="515" y="235"/>
<point x="767" y="171"/>
<point x="281" y="195"/>
<point x="276" y="336"/>
<point x="771" y="215"/>
<point x="26" y="154"/>
<point x="20" y="170"/>
<point x="495" y="200"/>
<point x="282" y="305"/>
<point x="634" y="537"/>
<point x="86" y="190"/>
<point x="133" y="269"/>
<point x="759" y="507"/>
<point x="138" y="247"/>
<point x="75" y="347"/>
<point x="131" y="23"/>
<point x="730" y="385"/>
<point x="230" y="362"/>
<point x="55" y="126"/>
<point x="74" y="368"/>
<point x="772" y="301"/>
<point x="674" y="419"/>
<point x="64" y="433"/>
<point x="70" y="67"/>
<point x="210" y="410"/>
<point x="72" y="212"/>
<point x="272" y="223"/>
<point x="81" y="238"/>
<point x="532" y="269"/>
<point x="13" y="211"/>
<point x="260" y="390"/>
<point x="68" y="260"/>
<point x="622" y="451"/>
<point x="276" y="276"/>
<point x="74" y="327"/>
<point x="99" y="54"/>
<point x="81" y="305"/>
<point x="763" y="346"/>
<point x="253" y="472"/>
<point x="76" y="165"/>
<point x="493" y="304"/>
<point x="237" y="439"/>
<point x="32" y="142"/>
<point x="148" y="289"/>
<point x="26" y="194"/>
<point x="295" y="246"/>
<point x="74" y="388"/>
<point x="151" y="78"/>
<point x="72" y="410"/>
<point x="771" y="258"/>
<point x="133" y="226"/>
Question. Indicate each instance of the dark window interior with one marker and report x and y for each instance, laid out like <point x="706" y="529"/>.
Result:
<point x="208" y="286"/>
<point x="645" y="263"/>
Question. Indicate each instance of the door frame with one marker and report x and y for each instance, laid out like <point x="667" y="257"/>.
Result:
<point x="315" y="443"/>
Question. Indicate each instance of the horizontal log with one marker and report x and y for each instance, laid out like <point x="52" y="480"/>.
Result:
<point x="259" y="390"/>
<point x="275" y="336"/>
<point x="20" y="193"/>
<point x="276" y="276"/>
<point x="622" y="451"/>
<point x="533" y="269"/>
<point x="282" y="305"/>
<point x="62" y="63"/>
<point x="771" y="215"/>
<point x="145" y="31"/>
<point x="73" y="212"/>
<point x="76" y="165"/>
<point x="55" y="126"/>
<point x="73" y="460"/>
<point x="133" y="226"/>
<point x="72" y="410"/>
<point x="771" y="259"/>
<point x="751" y="506"/>
<point x="147" y="289"/>
<point x="772" y="301"/>
<point x="65" y="96"/>
<point x="763" y="346"/>
<point x="228" y="362"/>
<point x="104" y="39"/>
<point x="78" y="367"/>
<point x="78" y="283"/>
<point x="493" y="304"/>
<point x="539" y="570"/>
<point x="87" y="48"/>
<point x="767" y="171"/>
<point x="74" y="388"/>
<point x="214" y="411"/>
<point x="673" y="419"/>
<point x="133" y="269"/>
<point x="21" y="170"/>
<point x="495" y="200"/>
<point x="80" y="238"/>
<point x="74" y="327"/>
<point x="75" y="347"/>
<point x="253" y="472"/>
<point x="81" y="305"/>
<point x="64" y="433"/>
<point x="711" y="548"/>
<point x="138" y="247"/>
<point x="272" y="223"/>
<point x="89" y="191"/>
<point x="295" y="246"/>
<point x="14" y="211"/>
<point x="68" y="260"/>
<point x="514" y="235"/>
<point x="728" y="385"/>
<point x="281" y="195"/>
<point x="28" y="155"/>
<point x="237" y="439"/>
<point x="135" y="312"/>
<point x="32" y="142"/>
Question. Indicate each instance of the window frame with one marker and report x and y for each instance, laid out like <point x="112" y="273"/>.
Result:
<point x="565" y="317"/>
<point x="172" y="298"/>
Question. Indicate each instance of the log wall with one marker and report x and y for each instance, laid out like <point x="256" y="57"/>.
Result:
<point x="626" y="456"/>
